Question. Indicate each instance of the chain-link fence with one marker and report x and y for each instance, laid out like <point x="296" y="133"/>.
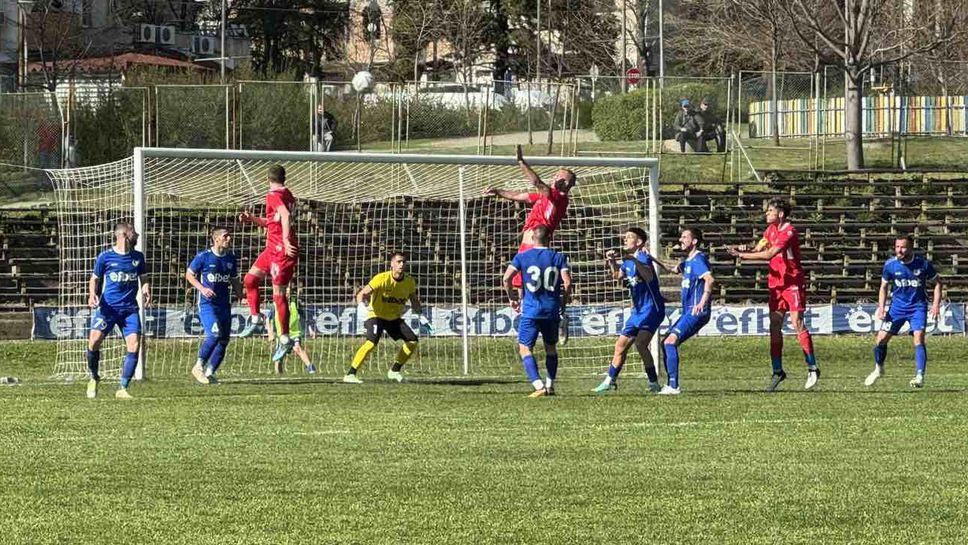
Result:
<point x="193" y="116"/>
<point x="105" y="124"/>
<point x="276" y="115"/>
<point x="8" y="84"/>
<point x="31" y="137"/>
<point x="782" y="116"/>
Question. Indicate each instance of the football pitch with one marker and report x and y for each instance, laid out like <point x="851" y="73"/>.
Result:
<point x="476" y="461"/>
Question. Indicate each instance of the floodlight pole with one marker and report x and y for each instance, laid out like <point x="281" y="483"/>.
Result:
<point x="224" y="10"/>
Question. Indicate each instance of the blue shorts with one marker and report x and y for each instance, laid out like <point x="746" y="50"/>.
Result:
<point x="528" y="329"/>
<point x="105" y="318"/>
<point x="642" y="322"/>
<point x="688" y="325"/>
<point x="217" y="322"/>
<point x="894" y="320"/>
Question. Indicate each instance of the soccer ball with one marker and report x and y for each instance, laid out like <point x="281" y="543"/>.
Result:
<point x="362" y="81"/>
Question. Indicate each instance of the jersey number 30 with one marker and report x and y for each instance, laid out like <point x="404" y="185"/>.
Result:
<point x="537" y="279"/>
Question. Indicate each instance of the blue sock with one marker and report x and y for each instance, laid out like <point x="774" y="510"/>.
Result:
<point x="777" y="365"/>
<point x="811" y="360"/>
<point x="880" y="353"/>
<point x="920" y="359"/>
<point x="672" y="364"/>
<point x="613" y="372"/>
<point x="93" y="362"/>
<point x="531" y="368"/>
<point x="127" y="370"/>
<point x="551" y="364"/>
<point x="218" y="354"/>
<point x="208" y="345"/>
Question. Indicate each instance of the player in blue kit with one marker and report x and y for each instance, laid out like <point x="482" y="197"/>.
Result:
<point x="907" y="274"/>
<point x="547" y="281"/>
<point x="113" y="293"/>
<point x="648" y="308"/>
<point x="211" y="273"/>
<point x="697" y="286"/>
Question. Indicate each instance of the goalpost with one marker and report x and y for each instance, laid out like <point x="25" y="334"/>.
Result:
<point x="353" y="210"/>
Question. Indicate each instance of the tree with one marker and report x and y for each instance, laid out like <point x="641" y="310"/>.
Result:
<point x="295" y="35"/>
<point x="859" y="35"/>
<point x="416" y="25"/>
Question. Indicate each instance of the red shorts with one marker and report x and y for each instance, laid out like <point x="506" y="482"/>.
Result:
<point x="792" y="298"/>
<point x="279" y="266"/>
<point x="516" y="279"/>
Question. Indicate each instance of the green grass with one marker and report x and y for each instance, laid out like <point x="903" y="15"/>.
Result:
<point x="476" y="461"/>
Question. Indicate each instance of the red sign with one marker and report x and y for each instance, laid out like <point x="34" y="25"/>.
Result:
<point x="632" y="75"/>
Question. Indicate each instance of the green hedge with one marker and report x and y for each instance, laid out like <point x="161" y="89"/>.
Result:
<point x="624" y="117"/>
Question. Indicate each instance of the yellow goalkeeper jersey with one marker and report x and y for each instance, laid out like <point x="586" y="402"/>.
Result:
<point x="389" y="298"/>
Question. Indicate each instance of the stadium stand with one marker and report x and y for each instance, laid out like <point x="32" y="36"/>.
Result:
<point x="847" y="223"/>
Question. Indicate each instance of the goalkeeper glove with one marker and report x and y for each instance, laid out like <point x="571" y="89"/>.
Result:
<point x="426" y="328"/>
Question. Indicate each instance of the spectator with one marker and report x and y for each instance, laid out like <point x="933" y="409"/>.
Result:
<point x="709" y="127"/>
<point x="685" y="125"/>
<point x="325" y="129"/>
<point x="48" y="139"/>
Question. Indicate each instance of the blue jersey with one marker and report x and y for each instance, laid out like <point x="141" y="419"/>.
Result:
<point x="216" y="273"/>
<point x="119" y="275"/>
<point x="907" y="282"/>
<point x="693" y="284"/>
<point x="541" y="271"/>
<point x="646" y="298"/>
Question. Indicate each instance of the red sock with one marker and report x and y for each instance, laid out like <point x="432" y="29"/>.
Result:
<point x="282" y="311"/>
<point x="776" y="346"/>
<point x="806" y="342"/>
<point x="252" y="284"/>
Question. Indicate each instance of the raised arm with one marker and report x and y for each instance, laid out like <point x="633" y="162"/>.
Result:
<point x="517" y="196"/>
<point x="532" y="176"/>
<point x="612" y="260"/>
<point x="247" y="217"/>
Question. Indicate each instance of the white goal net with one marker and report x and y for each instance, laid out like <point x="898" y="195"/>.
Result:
<point x="353" y="210"/>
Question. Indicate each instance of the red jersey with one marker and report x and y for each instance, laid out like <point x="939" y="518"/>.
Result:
<point x="785" y="268"/>
<point x="275" y="200"/>
<point x="547" y="211"/>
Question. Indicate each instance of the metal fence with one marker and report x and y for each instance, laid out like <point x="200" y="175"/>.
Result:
<point x="31" y="137"/>
<point x="193" y="116"/>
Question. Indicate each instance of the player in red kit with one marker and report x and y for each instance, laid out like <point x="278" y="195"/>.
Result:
<point x="549" y="203"/>
<point x="780" y="246"/>
<point x="278" y="260"/>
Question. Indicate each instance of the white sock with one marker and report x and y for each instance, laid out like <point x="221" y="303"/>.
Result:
<point x="548" y="382"/>
<point x="199" y="362"/>
<point x="538" y="384"/>
<point x="284" y="339"/>
<point x="608" y="379"/>
<point x="208" y="371"/>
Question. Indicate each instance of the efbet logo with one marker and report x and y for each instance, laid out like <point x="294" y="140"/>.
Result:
<point x="216" y="278"/>
<point x="122" y="277"/>
<point x="907" y="283"/>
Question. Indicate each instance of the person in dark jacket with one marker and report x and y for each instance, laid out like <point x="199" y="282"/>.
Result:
<point x="685" y="126"/>
<point x="709" y="127"/>
<point x="325" y="129"/>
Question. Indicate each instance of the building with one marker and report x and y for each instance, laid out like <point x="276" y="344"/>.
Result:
<point x="58" y="34"/>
